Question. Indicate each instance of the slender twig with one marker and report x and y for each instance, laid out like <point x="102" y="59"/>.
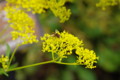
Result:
<point x="36" y="64"/>
<point x="66" y="63"/>
<point x="41" y="63"/>
<point x="53" y="56"/>
<point x="11" y="58"/>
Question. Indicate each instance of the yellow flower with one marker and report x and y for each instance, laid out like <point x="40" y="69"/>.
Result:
<point x="22" y="25"/>
<point x="4" y="60"/>
<point x="40" y="6"/>
<point x="106" y="3"/>
<point x="86" y="57"/>
<point x="59" y="10"/>
<point x="36" y="6"/>
<point x="62" y="45"/>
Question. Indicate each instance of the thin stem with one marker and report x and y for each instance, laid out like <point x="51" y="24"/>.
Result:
<point x="13" y="55"/>
<point x="41" y="63"/>
<point x="53" y="56"/>
<point x="67" y="63"/>
<point x="36" y="64"/>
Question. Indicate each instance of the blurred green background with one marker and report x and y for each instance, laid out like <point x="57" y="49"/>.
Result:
<point x="99" y="30"/>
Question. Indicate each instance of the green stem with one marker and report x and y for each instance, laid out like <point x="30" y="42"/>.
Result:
<point x="66" y="63"/>
<point x="36" y="64"/>
<point x="53" y="56"/>
<point x="41" y="63"/>
<point x="13" y="55"/>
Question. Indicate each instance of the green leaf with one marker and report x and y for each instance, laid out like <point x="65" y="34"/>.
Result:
<point x="109" y="59"/>
<point x="83" y="72"/>
<point x="67" y="75"/>
<point x="13" y="66"/>
<point x="3" y="72"/>
<point x="8" y="50"/>
<point x="6" y="74"/>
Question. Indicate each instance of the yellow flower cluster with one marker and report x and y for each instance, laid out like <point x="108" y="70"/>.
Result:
<point x="36" y="6"/>
<point x="22" y="24"/>
<point x="59" y="10"/>
<point x="4" y="61"/>
<point x="62" y="45"/>
<point x="86" y="57"/>
<point x="105" y="3"/>
<point x="40" y="6"/>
